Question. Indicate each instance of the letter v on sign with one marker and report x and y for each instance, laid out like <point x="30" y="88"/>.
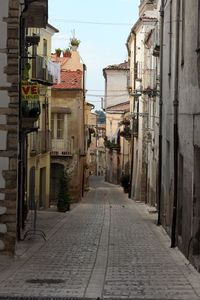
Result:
<point x="26" y="89"/>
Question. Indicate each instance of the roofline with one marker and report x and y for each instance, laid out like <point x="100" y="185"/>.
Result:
<point x="63" y="89"/>
<point x="119" y="104"/>
<point x="136" y="25"/>
<point x="115" y="69"/>
<point x="90" y="104"/>
<point x="116" y="111"/>
<point x="53" y="28"/>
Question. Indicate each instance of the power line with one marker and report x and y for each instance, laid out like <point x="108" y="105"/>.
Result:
<point x="90" y="22"/>
<point x="109" y="90"/>
<point x="107" y="96"/>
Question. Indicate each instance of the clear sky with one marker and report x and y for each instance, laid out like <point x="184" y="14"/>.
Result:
<point x="101" y="44"/>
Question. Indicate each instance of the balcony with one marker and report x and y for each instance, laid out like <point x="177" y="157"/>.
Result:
<point x="42" y="72"/>
<point x="149" y="82"/>
<point x="30" y="114"/>
<point x="40" y="142"/>
<point x="35" y="13"/>
<point x="112" y="146"/>
<point x="126" y="133"/>
<point x="61" y="147"/>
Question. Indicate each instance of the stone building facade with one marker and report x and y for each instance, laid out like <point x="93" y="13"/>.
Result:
<point x="180" y="200"/>
<point x="68" y="133"/>
<point x="14" y="19"/>
<point x="142" y="82"/>
<point x="9" y="70"/>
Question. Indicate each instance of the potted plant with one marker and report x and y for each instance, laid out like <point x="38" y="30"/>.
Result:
<point x="126" y="133"/>
<point x="74" y="43"/>
<point x="91" y="130"/>
<point x="58" y="52"/>
<point x="67" y="52"/>
<point x="64" y="198"/>
<point x="124" y="180"/>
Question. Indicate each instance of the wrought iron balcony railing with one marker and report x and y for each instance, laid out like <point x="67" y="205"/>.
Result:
<point x="61" y="147"/>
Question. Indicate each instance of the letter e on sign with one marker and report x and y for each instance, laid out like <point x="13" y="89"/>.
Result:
<point x="33" y="90"/>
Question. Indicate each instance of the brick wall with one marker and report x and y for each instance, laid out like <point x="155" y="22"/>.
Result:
<point x="9" y="12"/>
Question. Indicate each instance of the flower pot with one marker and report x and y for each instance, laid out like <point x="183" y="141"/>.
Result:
<point x="67" y="54"/>
<point x="58" y="54"/>
<point x="126" y="190"/>
<point x="74" y="48"/>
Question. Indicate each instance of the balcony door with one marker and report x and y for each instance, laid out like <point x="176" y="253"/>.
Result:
<point x="58" y="134"/>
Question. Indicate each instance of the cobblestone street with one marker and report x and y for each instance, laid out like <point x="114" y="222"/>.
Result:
<point x="107" y="246"/>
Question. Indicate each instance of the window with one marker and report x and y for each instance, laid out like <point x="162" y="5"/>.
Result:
<point x="60" y="126"/>
<point x="110" y="131"/>
<point x="57" y="126"/>
<point x="44" y="47"/>
<point x="52" y="125"/>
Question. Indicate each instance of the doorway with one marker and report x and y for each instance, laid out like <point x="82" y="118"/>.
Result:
<point x="42" y="196"/>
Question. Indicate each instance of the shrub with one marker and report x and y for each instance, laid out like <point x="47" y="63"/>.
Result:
<point x="64" y="197"/>
<point x="124" y="180"/>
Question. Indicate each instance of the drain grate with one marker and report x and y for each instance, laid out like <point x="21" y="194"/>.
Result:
<point x="45" y="281"/>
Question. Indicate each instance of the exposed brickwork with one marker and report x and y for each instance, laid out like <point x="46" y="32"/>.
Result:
<point x="8" y="219"/>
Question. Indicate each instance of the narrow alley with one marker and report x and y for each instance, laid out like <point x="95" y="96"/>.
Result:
<point x="107" y="246"/>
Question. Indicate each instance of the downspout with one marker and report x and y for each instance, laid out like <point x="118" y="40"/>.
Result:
<point x="160" y="112"/>
<point x="83" y="146"/>
<point x="20" y="145"/>
<point x="176" y="104"/>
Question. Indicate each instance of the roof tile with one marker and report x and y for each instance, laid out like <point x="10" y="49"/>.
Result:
<point x="69" y="80"/>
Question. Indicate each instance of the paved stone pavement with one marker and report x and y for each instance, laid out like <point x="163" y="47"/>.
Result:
<point x="107" y="246"/>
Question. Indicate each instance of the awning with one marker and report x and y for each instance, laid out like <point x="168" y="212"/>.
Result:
<point x="61" y="110"/>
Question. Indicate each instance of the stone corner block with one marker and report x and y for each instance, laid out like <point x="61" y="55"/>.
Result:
<point x="3" y="210"/>
<point x="2" y="245"/>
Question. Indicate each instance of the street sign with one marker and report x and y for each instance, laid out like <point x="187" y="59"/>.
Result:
<point x="30" y="91"/>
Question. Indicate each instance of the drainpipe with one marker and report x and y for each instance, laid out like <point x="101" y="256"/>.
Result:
<point x="160" y="112"/>
<point x="176" y="104"/>
<point x="20" y="139"/>
<point x="83" y="143"/>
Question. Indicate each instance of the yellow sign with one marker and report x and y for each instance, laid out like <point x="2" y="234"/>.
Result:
<point x="30" y="91"/>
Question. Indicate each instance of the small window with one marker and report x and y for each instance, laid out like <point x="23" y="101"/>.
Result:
<point x="44" y="47"/>
<point x="60" y="126"/>
<point x="52" y="125"/>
